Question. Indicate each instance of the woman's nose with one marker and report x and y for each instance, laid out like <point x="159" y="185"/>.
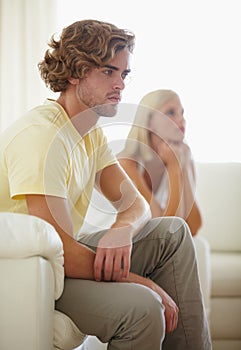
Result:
<point x="180" y="119"/>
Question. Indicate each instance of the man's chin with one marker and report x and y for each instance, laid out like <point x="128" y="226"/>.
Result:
<point x="108" y="110"/>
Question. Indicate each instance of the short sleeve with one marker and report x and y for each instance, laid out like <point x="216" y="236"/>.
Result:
<point x="37" y="162"/>
<point x="106" y="156"/>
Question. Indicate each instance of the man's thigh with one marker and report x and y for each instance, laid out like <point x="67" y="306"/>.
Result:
<point x="101" y="308"/>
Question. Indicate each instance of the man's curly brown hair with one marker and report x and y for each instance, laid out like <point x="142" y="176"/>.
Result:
<point x="82" y="46"/>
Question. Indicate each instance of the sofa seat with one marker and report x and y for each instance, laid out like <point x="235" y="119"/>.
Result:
<point x="219" y="196"/>
<point x="226" y="295"/>
<point x="226" y="273"/>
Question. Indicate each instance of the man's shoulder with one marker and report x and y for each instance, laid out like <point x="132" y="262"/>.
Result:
<point x="46" y="118"/>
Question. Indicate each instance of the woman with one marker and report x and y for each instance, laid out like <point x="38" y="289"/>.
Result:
<point x="159" y="161"/>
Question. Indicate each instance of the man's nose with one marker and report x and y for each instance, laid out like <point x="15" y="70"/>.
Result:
<point x="119" y="83"/>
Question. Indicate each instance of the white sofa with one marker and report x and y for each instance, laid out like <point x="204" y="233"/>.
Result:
<point x="219" y="193"/>
<point x="32" y="278"/>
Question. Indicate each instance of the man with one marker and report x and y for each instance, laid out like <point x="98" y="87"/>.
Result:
<point x="135" y="285"/>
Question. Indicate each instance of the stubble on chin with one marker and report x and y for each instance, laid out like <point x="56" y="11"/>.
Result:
<point x="106" y="110"/>
<point x="84" y="97"/>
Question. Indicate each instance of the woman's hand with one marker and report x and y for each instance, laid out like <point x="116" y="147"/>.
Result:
<point x="174" y="153"/>
<point x="167" y="153"/>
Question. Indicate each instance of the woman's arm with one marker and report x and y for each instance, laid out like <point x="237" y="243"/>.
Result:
<point x="131" y="168"/>
<point x="193" y="215"/>
<point x="174" y="183"/>
<point x="170" y="156"/>
<point x="181" y="184"/>
<point x="181" y="174"/>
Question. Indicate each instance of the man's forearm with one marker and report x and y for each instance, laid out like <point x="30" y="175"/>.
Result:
<point x="135" y="217"/>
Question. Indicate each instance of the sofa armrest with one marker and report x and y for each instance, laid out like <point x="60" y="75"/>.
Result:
<point x="25" y="236"/>
<point x="32" y="278"/>
<point x="26" y="304"/>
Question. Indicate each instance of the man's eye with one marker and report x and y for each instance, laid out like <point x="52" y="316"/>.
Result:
<point x="124" y="75"/>
<point x="108" y="72"/>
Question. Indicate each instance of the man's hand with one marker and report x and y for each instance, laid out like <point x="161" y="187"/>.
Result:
<point x="171" y="309"/>
<point x="113" y="253"/>
<point x="132" y="213"/>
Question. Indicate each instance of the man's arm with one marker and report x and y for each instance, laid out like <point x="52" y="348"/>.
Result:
<point x="78" y="259"/>
<point x="133" y="212"/>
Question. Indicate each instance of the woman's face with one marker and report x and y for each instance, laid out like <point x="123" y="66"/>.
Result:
<point x="170" y="123"/>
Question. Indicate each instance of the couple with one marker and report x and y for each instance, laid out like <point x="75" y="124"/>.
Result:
<point x="136" y="284"/>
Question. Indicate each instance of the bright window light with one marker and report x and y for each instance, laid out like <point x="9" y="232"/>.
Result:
<point x="192" y="47"/>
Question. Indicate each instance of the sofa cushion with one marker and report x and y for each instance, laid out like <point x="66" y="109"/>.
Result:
<point x="224" y="344"/>
<point x="226" y="318"/>
<point x="226" y="274"/>
<point x="219" y="196"/>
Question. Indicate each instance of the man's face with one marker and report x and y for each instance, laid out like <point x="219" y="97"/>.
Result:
<point x="101" y="89"/>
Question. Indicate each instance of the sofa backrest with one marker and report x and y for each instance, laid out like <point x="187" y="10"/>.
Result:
<point x="219" y="197"/>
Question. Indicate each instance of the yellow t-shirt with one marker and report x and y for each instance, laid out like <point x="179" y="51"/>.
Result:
<point x="43" y="153"/>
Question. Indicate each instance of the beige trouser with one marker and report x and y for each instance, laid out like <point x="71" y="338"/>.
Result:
<point x="131" y="317"/>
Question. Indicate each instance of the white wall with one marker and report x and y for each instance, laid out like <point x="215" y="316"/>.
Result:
<point x="25" y="29"/>
<point x="191" y="46"/>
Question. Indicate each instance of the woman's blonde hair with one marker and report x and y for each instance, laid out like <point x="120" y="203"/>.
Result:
<point x="82" y="46"/>
<point x="138" y="143"/>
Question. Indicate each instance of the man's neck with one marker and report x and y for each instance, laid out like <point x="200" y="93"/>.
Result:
<point x="82" y="117"/>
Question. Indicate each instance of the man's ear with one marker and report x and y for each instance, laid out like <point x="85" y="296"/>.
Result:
<point x="73" y="81"/>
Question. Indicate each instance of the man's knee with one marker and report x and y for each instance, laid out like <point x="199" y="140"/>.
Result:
<point x="168" y="228"/>
<point x="143" y="314"/>
<point x="175" y="224"/>
<point x="148" y="304"/>
<point x="181" y="235"/>
<point x="143" y="303"/>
